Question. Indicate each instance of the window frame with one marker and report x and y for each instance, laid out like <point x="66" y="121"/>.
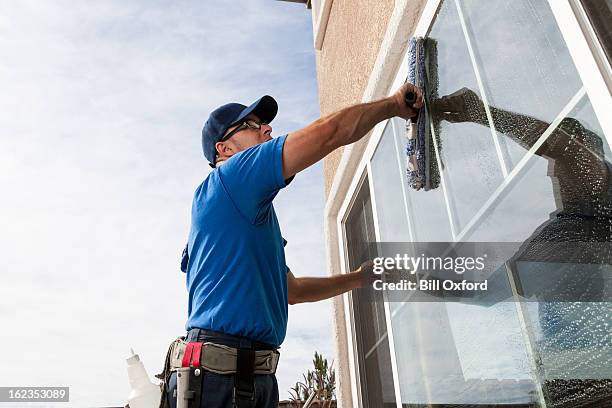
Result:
<point x="354" y="359"/>
<point x="320" y="17"/>
<point x="591" y="29"/>
<point x="586" y="54"/>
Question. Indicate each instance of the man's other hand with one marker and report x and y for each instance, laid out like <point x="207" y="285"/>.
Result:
<point x="366" y="274"/>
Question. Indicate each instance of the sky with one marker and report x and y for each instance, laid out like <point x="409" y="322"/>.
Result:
<point x="102" y="108"/>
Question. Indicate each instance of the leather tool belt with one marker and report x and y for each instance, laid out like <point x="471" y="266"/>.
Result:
<point x="218" y="358"/>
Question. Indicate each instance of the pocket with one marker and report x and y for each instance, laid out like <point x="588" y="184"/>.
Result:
<point x="217" y="390"/>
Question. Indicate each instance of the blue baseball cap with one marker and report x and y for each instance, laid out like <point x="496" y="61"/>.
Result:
<point x="229" y="115"/>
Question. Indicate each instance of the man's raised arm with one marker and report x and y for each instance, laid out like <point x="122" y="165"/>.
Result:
<point x="307" y="146"/>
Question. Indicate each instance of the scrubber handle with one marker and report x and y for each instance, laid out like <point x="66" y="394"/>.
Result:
<point x="410" y="99"/>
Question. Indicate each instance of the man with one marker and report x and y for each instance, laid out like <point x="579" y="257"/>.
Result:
<point x="238" y="282"/>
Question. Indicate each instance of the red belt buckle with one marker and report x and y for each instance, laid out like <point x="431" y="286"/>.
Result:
<point x="191" y="358"/>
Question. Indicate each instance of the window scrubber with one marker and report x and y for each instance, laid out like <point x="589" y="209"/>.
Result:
<point x="421" y="163"/>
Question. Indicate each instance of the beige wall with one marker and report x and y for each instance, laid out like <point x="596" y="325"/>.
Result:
<point x="344" y="64"/>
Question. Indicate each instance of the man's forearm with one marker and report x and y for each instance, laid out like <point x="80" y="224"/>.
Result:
<point x="350" y="124"/>
<point x="314" y="289"/>
<point x="308" y="145"/>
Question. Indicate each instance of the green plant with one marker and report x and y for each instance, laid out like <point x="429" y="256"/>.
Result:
<point x="321" y="380"/>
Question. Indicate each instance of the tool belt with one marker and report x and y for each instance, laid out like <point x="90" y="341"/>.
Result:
<point x="188" y="359"/>
<point x="218" y="358"/>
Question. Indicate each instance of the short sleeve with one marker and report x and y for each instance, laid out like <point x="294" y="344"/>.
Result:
<point x="253" y="177"/>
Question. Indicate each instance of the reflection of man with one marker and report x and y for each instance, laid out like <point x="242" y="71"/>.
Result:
<point x="568" y="252"/>
<point x="238" y="282"/>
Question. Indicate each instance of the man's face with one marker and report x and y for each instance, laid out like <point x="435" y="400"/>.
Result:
<point x="244" y="138"/>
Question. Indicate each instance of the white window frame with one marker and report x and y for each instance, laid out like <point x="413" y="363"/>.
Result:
<point x="594" y="72"/>
<point x="593" y="40"/>
<point x="353" y="363"/>
<point x="320" y="17"/>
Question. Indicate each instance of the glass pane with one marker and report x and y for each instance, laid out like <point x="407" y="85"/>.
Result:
<point x="427" y="209"/>
<point x="450" y="353"/>
<point x="379" y="388"/>
<point x="564" y="195"/>
<point x="571" y="179"/>
<point x="368" y="314"/>
<point x="471" y="166"/>
<point x="388" y="189"/>
<point x="525" y="66"/>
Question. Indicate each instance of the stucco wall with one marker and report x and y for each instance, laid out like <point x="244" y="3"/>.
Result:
<point x="344" y="64"/>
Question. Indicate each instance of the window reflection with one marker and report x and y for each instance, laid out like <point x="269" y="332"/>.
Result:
<point x="567" y="256"/>
<point x="523" y="60"/>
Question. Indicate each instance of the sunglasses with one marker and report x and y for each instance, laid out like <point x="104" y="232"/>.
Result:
<point x="247" y="124"/>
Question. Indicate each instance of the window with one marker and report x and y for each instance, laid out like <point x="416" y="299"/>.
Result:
<point x="375" y="376"/>
<point x="529" y="162"/>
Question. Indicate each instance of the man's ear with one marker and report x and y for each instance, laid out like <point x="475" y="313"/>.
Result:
<point x="223" y="149"/>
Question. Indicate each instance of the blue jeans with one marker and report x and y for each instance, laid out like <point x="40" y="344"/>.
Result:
<point x="217" y="389"/>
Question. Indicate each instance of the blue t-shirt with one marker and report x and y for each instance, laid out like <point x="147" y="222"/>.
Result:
<point x="236" y="272"/>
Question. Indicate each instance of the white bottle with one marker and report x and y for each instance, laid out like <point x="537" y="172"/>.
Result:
<point x="144" y="393"/>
